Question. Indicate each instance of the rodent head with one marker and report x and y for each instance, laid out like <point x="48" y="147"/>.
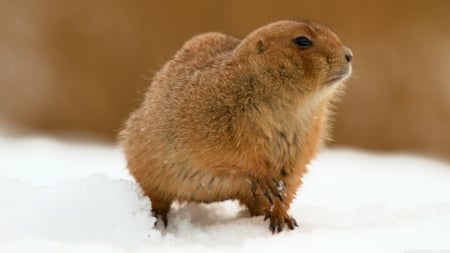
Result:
<point x="306" y="55"/>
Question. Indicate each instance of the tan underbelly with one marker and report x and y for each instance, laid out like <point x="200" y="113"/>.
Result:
<point x="206" y="186"/>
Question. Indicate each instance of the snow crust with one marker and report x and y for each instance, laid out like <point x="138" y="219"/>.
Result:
<point x="61" y="196"/>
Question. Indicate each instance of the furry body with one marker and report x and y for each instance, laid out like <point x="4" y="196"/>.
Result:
<point x="236" y="119"/>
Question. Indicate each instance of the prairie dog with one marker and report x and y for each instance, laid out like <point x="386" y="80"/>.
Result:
<point x="237" y="119"/>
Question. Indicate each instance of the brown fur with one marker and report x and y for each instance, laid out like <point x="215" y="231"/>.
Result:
<point x="231" y="119"/>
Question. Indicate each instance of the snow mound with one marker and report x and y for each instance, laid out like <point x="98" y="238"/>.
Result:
<point x="77" y="197"/>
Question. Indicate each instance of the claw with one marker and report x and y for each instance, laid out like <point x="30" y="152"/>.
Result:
<point x="274" y="189"/>
<point x="277" y="225"/>
<point x="291" y="222"/>
<point x="290" y="225"/>
<point x="272" y="228"/>
<point x="253" y="187"/>
<point x="276" y="228"/>
<point x="266" y="193"/>
<point x="280" y="228"/>
<point x="269" y="187"/>
<point x="163" y="216"/>
<point x="164" y="219"/>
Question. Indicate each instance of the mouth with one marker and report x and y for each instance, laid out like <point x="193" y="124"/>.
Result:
<point x="340" y="76"/>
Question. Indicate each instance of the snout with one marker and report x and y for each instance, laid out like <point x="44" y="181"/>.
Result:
<point x="341" y="69"/>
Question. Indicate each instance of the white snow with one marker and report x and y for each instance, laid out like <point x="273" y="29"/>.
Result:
<point x="62" y="196"/>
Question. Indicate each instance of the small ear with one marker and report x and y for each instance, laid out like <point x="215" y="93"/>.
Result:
<point x="260" y="46"/>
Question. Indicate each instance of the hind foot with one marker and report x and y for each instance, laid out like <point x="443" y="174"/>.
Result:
<point x="160" y="209"/>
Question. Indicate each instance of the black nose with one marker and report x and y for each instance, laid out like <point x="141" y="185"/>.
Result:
<point x="348" y="57"/>
<point x="348" y="54"/>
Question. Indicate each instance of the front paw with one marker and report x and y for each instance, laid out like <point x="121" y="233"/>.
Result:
<point x="278" y="219"/>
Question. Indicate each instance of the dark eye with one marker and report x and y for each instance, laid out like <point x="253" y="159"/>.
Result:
<point x="302" y="41"/>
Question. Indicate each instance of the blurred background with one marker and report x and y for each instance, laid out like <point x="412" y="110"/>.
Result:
<point x="79" y="67"/>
